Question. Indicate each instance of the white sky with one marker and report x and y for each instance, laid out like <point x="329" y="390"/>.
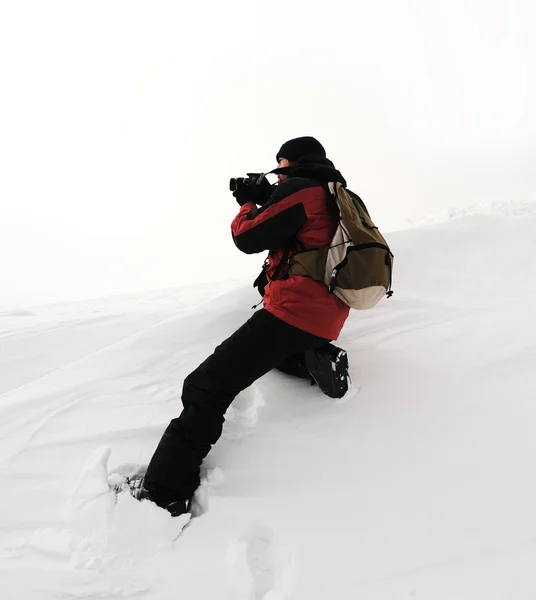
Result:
<point x="121" y="123"/>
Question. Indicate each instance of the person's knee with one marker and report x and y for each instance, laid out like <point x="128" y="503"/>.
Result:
<point x="196" y="387"/>
<point x="206" y="392"/>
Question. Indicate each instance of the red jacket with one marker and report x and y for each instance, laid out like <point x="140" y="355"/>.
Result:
<point x="296" y="216"/>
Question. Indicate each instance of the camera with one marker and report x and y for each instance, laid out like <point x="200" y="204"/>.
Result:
<point x="249" y="181"/>
<point x="253" y="188"/>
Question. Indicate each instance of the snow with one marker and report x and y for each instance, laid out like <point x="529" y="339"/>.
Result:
<point x="420" y="484"/>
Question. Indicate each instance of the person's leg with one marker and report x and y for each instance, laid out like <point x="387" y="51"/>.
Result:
<point x="327" y="366"/>
<point x="295" y="365"/>
<point x="253" y="350"/>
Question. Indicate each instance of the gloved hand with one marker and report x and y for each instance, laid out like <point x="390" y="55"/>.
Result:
<point x="250" y="191"/>
<point x="262" y="191"/>
<point x="242" y="194"/>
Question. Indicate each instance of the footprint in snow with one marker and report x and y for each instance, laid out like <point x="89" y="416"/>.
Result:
<point x="258" y="569"/>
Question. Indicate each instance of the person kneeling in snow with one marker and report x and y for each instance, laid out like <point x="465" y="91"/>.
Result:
<point x="292" y="332"/>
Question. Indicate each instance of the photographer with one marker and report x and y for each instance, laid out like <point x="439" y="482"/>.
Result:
<point x="292" y="332"/>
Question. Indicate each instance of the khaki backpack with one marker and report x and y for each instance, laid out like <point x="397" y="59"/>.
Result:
<point x="358" y="265"/>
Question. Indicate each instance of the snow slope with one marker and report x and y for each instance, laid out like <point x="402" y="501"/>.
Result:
<point x="421" y="485"/>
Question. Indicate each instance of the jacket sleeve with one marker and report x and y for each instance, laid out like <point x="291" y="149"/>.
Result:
<point x="271" y="226"/>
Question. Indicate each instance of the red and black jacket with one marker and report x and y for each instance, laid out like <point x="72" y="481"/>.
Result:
<point x="298" y="216"/>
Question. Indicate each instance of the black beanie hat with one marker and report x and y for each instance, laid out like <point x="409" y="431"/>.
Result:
<point x="298" y="147"/>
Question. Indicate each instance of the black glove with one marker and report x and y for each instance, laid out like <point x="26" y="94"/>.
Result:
<point x="248" y="190"/>
<point x="263" y="191"/>
<point x="242" y="195"/>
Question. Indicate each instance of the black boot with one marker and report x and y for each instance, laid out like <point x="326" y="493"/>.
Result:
<point x="135" y="486"/>
<point x="328" y="366"/>
<point x="175" y="507"/>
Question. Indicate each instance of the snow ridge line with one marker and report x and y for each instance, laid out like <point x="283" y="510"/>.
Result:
<point x="496" y="208"/>
<point x="40" y="419"/>
<point x="95" y="353"/>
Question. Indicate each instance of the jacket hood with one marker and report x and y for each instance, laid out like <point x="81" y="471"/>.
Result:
<point x="316" y="168"/>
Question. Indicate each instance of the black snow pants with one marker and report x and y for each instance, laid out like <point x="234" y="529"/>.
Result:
<point x="261" y="344"/>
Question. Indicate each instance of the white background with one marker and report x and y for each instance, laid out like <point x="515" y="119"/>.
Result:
<point x="121" y="123"/>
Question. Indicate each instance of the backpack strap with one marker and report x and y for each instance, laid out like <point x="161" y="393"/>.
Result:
<point x="284" y="263"/>
<point x="281" y="265"/>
